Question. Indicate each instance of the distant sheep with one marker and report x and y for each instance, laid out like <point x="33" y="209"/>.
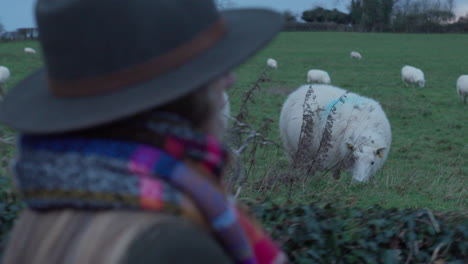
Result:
<point x="28" y="50"/>
<point x="462" y="87"/>
<point x="4" y="76"/>
<point x="345" y="131"/>
<point x="318" y="76"/>
<point x="272" y="63"/>
<point x="412" y="75"/>
<point x="356" y="55"/>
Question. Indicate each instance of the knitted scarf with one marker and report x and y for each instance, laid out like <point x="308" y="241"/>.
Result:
<point x="181" y="176"/>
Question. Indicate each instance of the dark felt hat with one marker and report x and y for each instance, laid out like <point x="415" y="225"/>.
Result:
<point x="110" y="59"/>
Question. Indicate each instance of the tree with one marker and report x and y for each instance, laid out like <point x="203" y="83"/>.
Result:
<point x="372" y="15"/>
<point x="355" y="11"/>
<point x="314" y="15"/>
<point x="2" y="28"/>
<point x="339" y="17"/>
<point x="423" y="15"/>
<point x="319" y="14"/>
<point x="463" y="19"/>
<point x="440" y="16"/>
<point x="289" y="17"/>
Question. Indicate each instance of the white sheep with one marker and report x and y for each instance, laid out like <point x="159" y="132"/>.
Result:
<point x="348" y="131"/>
<point x="412" y="75"/>
<point x="318" y="76"/>
<point x="29" y="50"/>
<point x="4" y="76"/>
<point x="272" y="63"/>
<point x="355" y="55"/>
<point x="462" y="87"/>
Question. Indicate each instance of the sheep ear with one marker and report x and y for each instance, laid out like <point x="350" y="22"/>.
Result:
<point x="350" y="146"/>
<point x="380" y="152"/>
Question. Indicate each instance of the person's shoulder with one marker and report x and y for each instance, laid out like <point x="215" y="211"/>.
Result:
<point x="175" y="241"/>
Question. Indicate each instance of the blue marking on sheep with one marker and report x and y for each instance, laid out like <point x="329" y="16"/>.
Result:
<point x="350" y="98"/>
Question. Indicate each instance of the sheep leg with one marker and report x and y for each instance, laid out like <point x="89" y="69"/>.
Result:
<point x="337" y="174"/>
<point x="464" y="99"/>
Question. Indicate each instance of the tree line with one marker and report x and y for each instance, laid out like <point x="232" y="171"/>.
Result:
<point x="363" y="15"/>
<point x="388" y="16"/>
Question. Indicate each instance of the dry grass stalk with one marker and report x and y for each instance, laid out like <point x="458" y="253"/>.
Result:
<point x="242" y="136"/>
<point x="247" y="97"/>
<point x="306" y="135"/>
<point x="7" y="141"/>
<point x="306" y="161"/>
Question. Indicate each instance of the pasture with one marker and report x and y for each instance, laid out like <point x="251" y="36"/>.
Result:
<point x="428" y="162"/>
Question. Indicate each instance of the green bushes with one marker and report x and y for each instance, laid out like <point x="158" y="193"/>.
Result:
<point x="10" y="207"/>
<point x="312" y="234"/>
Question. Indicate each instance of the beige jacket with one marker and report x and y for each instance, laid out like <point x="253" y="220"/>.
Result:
<point x="78" y="237"/>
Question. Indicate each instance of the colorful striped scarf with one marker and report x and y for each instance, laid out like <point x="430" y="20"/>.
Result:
<point x="182" y="176"/>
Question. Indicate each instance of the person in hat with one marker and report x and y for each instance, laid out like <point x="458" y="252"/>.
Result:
<point x="119" y="154"/>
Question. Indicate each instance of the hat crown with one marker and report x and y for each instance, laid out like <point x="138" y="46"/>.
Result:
<point x="88" y="38"/>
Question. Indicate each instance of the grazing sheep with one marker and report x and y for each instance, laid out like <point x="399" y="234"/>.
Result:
<point x="318" y="76"/>
<point x="4" y="76"/>
<point x="272" y="63"/>
<point x="355" y="55"/>
<point x="342" y="131"/>
<point x="226" y="111"/>
<point x="462" y="87"/>
<point x="412" y="75"/>
<point x="28" y="50"/>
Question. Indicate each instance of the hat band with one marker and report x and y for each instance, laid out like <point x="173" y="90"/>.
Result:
<point x="145" y="71"/>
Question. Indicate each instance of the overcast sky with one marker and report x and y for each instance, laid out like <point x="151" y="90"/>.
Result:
<point x="19" y="13"/>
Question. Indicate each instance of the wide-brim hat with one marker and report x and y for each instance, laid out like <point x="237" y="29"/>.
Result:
<point x="110" y="59"/>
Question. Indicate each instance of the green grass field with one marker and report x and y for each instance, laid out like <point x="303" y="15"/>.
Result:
<point x="428" y="161"/>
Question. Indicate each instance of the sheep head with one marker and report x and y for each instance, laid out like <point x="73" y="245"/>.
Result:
<point x="367" y="161"/>
<point x="421" y="83"/>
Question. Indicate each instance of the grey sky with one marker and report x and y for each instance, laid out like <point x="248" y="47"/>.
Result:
<point x="19" y="13"/>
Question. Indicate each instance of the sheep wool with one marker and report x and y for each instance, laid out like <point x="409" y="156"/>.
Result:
<point x="356" y="55"/>
<point x="272" y="63"/>
<point x="28" y="50"/>
<point x="4" y="74"/>
<point x="462" y="87"/>
<point x="318" y="76"/>
<point x="412" y="75"/>
<point x="347" y="131"/>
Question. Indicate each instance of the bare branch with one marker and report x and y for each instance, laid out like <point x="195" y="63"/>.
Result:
<point x="8" y="141"/>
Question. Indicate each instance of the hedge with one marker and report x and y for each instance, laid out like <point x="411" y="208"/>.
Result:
<point x="336" y="234"/>
<point x="328" y="234"/>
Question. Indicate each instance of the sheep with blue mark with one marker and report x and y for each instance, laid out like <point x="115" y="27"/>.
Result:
<point x="349" y="132"/>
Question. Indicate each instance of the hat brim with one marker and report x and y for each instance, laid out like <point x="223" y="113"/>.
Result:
<point x="31" y="108"/>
